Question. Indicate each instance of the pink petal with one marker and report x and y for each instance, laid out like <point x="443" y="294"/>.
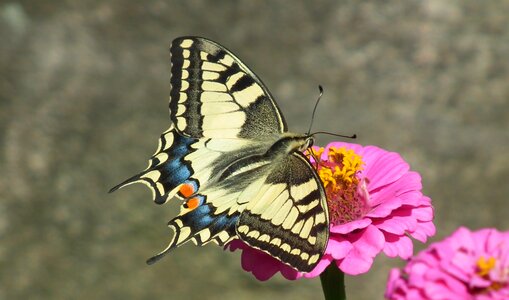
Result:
<point x="494" y="239"/>
<point x="338" y="247"/>
<point x="423" y="213"/>
<point x="289" y="273"/>
<point x="416" y="273"/>
<point x="259" y="263"/>
<point x="369" y="153"/>
<point x="350" y="226"/>
<point x="410" y="182"/>
<point x="262" y="265"/>
<point x="234" y="245"/>
<point x="415" y="294"/>
<point x="320" y="267"/>
<point x="423" y="231"/>
<point x="398" y="246"/>
<point x="461" y="239"/>
<point x="461" y="265"/>
<point x="366" y="245"/>
<point x="385" y="208"/>
<point x="386" y="169"/>
<point x="478" y="282"/>
<point x="441" y="291"/>
<point x="397" y="224"/>
<point x="413" y="198"/>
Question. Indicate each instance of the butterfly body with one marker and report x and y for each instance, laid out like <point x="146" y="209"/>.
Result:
<point x="229" y="157"/>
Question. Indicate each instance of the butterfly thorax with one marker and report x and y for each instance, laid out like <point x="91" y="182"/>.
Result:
<point x="290" y="143"/>
<point x="285" y="145"/>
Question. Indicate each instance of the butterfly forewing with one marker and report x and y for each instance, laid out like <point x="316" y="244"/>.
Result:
<point x="215" y="95"/>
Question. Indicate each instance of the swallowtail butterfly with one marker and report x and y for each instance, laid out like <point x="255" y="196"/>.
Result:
<point x="229" y="157"/>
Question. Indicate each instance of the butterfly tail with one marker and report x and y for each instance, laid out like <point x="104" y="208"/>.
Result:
<point x="201" y="225"/>
<point x="168" y="173"/>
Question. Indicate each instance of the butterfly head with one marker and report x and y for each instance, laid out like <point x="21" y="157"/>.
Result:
<point x="308" y="142"/>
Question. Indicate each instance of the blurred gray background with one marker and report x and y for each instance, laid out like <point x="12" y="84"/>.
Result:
<point x="84" y="88"/>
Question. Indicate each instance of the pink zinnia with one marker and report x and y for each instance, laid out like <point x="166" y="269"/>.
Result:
<point x="375" y="203"/>
<point x="466" y="265"/>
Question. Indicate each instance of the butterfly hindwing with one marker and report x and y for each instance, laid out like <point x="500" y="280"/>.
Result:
<point x="212" y="214"/>
<point x="168" y="169"/>
<point x="289" y="220"/>
<point x="215" y="95"/>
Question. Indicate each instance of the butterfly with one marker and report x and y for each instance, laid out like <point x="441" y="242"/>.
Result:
<point x="230" y="159"/>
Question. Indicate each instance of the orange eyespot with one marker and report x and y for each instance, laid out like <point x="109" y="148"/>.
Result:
<point x="193" y="203"/>
<point x="186" y="190"/>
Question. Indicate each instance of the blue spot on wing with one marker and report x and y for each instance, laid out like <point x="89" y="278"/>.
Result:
<point x="175" y="170"/>
<point x="203" y="217"/>
<point x="172" y="165"/>
<point x="180" y="146"/>
<point x="174" y="174"/>
<point x="221" y="223"/>
<point x="198" y="219"/>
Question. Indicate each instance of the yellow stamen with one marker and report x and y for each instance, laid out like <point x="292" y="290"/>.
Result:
<point x="484" y="265"/>
<point x="327" y="177"/>
<point x="347" y="164"/>
<point x="339" y="176"/>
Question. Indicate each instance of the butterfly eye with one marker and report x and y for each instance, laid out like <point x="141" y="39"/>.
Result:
<point x="309" y="143"/>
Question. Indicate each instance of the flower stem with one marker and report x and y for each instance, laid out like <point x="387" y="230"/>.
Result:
<point x="333" y="283"/>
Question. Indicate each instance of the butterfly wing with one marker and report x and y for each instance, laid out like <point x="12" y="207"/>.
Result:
<point x="214" y="95"/>
<point x="288" y="219"/>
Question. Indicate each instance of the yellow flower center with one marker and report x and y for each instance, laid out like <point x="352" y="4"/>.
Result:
<point x="342" y="185"/>
<point x="484" y="266"/>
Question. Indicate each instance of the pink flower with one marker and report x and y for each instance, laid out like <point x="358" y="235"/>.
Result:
<point x="375" y="203"/>
<point x="466" y="265"/>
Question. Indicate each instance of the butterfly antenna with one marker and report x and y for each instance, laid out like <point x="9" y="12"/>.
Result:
<point x="314" y="109"/>
<point x="353" y="136"/>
